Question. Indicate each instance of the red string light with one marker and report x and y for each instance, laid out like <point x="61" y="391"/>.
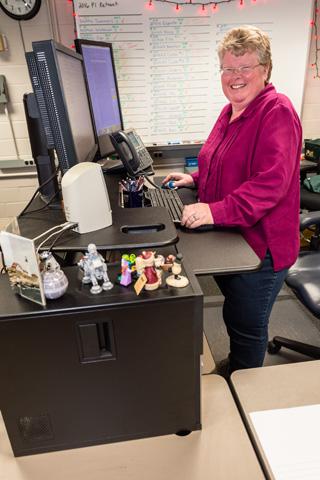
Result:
<point x="314" y="23"/>
<point x="202" y="3"/>
<point x="74" y="22"/>
<point x="150" y="5"/>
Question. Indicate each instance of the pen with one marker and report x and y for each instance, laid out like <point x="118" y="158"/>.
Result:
<point x="121" y="199"/>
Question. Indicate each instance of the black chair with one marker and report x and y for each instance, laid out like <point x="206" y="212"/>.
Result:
<point x="304" y="280"/>
<point x="308" y="200"/>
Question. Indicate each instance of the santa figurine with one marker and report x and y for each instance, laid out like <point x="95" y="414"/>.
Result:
<point x="146" y="259"/>
<point x="158" y="263"/>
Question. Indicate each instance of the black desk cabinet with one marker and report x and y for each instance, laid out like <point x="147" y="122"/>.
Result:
<point x="91" y="369"/>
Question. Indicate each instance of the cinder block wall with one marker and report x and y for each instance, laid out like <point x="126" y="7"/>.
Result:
<point x="14" y="194"/>
<point x="54" y="20"/>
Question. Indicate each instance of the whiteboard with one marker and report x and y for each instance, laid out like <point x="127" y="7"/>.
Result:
<point x="167" y="65"/>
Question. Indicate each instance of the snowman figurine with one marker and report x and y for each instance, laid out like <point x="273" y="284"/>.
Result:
<point x="177" y="280"/>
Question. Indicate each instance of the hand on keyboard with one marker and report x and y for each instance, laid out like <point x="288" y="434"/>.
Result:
<point x="196" y="214"/>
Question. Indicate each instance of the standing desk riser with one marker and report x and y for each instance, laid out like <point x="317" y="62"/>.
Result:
<point x="215" y="252"/>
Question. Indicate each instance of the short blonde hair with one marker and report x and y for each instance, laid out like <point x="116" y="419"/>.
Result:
<point x="247" y="38"/>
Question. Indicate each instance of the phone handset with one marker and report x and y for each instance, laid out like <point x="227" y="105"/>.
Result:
<point x="131" y="151"/>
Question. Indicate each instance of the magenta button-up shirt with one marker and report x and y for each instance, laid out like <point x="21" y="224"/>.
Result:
<point x="249" y="175"/>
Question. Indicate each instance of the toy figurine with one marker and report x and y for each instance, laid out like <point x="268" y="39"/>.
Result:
<point x="158" y="263"/>
<point x="139" y="265"/>
<point x="169" y="260"/>
<point x="131" y="258"/>
<point x="145" y="264"/>
<point x="128" y="269"/>
<point x="55" y="283"/>
<point x="94" y="268"/>
<point x="177" y="280"/>
<point x="125" y="277"/>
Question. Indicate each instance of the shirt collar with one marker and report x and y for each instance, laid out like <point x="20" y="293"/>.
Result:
<point x="253" y="104"/>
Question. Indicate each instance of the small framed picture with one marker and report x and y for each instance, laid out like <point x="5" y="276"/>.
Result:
<point x="22" y="265"/>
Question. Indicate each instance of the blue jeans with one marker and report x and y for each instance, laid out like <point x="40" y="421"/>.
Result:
<point x="249" y="298"/>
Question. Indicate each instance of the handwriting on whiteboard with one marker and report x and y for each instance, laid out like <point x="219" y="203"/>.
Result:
<point x="167" y="66"/>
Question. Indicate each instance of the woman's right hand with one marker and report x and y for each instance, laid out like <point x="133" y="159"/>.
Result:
<point x="179" y="179"/>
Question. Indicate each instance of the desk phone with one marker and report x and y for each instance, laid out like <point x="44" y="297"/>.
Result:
<point x="131" y="150"/>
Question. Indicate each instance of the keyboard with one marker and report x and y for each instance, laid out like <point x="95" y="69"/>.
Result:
<point x="166" y="198"/>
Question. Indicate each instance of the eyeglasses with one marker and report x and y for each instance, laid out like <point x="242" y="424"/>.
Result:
<point x="245" y="71"/>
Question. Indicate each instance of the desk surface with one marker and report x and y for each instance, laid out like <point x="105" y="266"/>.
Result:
<point x="221" y="451"/>
<point x="217" y="252"/>
<point x="279" y="386"/>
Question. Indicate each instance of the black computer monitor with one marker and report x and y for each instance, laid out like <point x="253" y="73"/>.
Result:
<point x="38" y="93"/>
<point x="43" y="155"/>
<point x="40" y="136"/>
<point x="103" y="91"/>
<point x="64" y="91"/>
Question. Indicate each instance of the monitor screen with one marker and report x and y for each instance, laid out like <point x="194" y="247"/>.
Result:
<point x="64" y="91"/>
<point x="103" y="91"/>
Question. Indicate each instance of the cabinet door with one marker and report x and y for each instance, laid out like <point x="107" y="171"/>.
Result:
<point x="98" y="376"/>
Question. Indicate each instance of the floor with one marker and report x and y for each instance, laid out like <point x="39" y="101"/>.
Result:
<point x="288" y="319"/>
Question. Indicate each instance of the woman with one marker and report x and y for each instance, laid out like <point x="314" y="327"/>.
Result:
<point x="248" y="177"/>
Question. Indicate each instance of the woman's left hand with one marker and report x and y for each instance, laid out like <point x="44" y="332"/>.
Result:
<point x="196" y="214"/>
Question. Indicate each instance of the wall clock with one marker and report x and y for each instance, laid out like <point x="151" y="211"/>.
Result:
<point x="20" y="9"/>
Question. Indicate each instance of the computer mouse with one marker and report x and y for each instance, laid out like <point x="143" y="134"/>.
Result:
<point x="169" y="185"/>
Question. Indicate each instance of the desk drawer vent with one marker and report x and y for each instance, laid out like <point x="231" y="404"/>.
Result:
<point x="35" y="428"/>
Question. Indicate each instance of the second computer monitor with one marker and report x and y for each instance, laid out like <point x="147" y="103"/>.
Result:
<point x="103" y="90"/>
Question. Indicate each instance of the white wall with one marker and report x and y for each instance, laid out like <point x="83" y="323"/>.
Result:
<point x="311" y="106"/>
<point x="55" y="20"/>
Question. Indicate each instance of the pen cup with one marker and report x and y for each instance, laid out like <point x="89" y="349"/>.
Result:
<point x="135" y="199"/>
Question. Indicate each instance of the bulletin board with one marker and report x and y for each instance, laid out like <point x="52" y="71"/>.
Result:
<point x="166" y="60"/>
